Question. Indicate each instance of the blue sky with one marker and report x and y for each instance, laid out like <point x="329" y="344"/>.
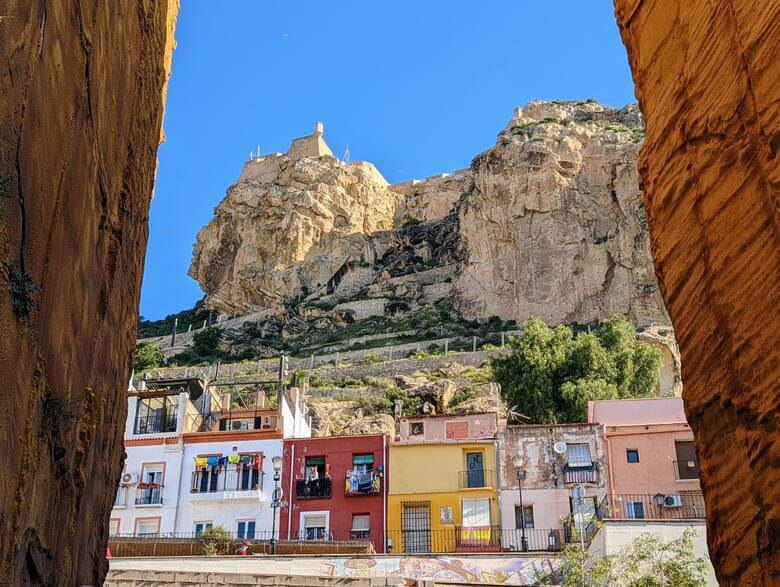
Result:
<point x="417" y="87"/>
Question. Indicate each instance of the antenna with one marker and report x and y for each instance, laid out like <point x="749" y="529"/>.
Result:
<point x="559" y="447"/>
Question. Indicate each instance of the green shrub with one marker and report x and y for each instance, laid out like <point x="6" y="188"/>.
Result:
<point x="372" y="359"/>
<point x="214" y="541"/>
<point x="148" y="356"/>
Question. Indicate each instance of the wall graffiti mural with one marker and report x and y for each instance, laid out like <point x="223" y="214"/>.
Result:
<point x="504" y="570"/>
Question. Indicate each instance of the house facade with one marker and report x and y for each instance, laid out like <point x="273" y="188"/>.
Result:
<point x="444" y="495"/>
<point x="336" y="489"/>
<point x="551" y="460"/>
<point x="199" y="457"/>
<point x="653" y="468"/>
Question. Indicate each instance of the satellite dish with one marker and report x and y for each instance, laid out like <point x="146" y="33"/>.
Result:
<point x="578" y="492"/>
<point x="559" y="447"/>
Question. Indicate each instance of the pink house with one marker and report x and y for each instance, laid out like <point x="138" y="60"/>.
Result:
<point x="651" y="459"/>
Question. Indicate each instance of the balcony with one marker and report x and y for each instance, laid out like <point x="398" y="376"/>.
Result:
<point x="475" y="479"/>
<point x="312" y="489"/>
<point x="233" y="421"/>
<point x="686" y="470"/>
<point x="231" y="484"/>
<point x="363" y="483"/>
<point x="149" y="494"/>
<point x="156" y="423"/>
<point x="686" y="505"/>
<point x="576" y="475"/>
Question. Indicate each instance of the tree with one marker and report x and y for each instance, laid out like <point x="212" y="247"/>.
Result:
<point x="551" y="375"/>
<point x="647" y="562"/>
<point x="205" y="342"/>
<point x="148" y="356"/>
<point x="215" y="540"/>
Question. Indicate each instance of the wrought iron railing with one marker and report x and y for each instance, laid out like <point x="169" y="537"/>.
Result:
<point x="475" y="478"/>
<point x="363" y="483"/>
<point x="313" y="488"/>
<point x="156" y="423"/>
<point x="148" y="495"/>
<point x="230" y="479"/>
<point x="233" y="421"/>
<point x="588" y="474"/>
<point x="685" y="505"/>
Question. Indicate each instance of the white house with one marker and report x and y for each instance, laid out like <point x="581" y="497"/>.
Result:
<point x="198" y="457"/>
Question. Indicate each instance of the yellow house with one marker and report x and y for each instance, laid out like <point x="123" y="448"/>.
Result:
<point x="442" y="491"/>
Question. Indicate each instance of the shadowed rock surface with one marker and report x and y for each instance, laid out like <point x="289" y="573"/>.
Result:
<point x="707" y="77"/>
<point x="81" y="105"/>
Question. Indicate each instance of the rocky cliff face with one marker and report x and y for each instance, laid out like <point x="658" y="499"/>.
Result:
<point x="707" y="78"/>
<point x="81" y="104"/>
<point x="288" y="226"/>
<point x="549" y="222"/>
<point x="554" y="225"/>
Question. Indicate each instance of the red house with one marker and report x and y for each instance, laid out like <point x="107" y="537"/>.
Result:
<point x="335" y="489"/>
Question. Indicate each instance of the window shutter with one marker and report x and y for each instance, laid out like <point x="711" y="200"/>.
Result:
<point x="361" y="523"/>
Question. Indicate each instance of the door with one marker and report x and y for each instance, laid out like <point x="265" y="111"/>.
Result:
<point x="687" y="463"/>
<point x="416" y="526"/>
<point x="475" y="472"/>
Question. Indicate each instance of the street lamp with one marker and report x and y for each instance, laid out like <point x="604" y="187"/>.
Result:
<point x="276" y="499"/>
<point x="518" y="463"/>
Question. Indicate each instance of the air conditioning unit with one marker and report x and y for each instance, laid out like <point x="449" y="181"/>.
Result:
<point x="129" y="478"/>
<point x="672" y="501"/>
<point x="239" y="425"/>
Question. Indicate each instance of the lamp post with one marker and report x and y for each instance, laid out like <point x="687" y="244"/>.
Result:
<point x="518" y="463"/>
<point x="276" y="499"/>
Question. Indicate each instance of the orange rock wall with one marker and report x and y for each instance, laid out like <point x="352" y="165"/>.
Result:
<point x="82" y="87"/>
<point x="708" y="81"/>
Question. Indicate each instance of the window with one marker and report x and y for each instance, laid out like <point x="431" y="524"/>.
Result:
<point x="416" y="429"/>
<point x="579" y="455"/>
<point x="149" y="490"/>
<point x="362" y="463"/>
<point x="635" y="509"/>
<point x="475" y="471"/>
<point x="156" y="414"/>
<point x="113" y="527"/>
<point x="200" y="527"/>
<point x="315" y="468"/>
<point x="476" y="512"/>
<point x="361" y="526"/>
<point x="528" y="510"/>
<point x="315" y="526"/>
<point x="246" y="529"/>
<point x="147" y="527"/>
<point x="632" y="455"/>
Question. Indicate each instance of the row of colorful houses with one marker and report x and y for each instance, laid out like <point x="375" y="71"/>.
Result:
<point x="198" y="458"/>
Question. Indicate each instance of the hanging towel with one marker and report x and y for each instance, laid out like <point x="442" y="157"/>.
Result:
<point x="222" y="461"/>
<point x="248" y="460"/>
<point x="233" y="459"/>
<point x="259" y="461"/>
<point x="213" y="461"/>
<point x="201" y="462"/>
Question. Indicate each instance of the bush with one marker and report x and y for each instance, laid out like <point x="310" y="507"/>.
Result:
<point x="215" y="540"/>
<point x="148" y="356"/>
<point x="371" y="359"/>
<point x="551" y="375"/>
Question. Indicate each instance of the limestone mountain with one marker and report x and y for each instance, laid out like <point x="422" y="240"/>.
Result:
<point x="549" y="222"/>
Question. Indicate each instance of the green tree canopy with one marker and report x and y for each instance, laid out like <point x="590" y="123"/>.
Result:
<point x="148" y="356"/>
<point x="551" y="374"/>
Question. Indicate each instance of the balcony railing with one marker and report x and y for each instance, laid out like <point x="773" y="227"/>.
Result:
<point x="686" y="470"/>
<point x="475" y="539"/>
<point x="686" y="505"/>
<point x="587" y="474"/>
<point x="148" y="495"/>
<point x="363" y="483"/>
<point x="475" y="478"/>
<point x="312" y="489"/>
<point x="231" y="479"/>
<point x="156" y="423"/>
<point x="233" y="421"/>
